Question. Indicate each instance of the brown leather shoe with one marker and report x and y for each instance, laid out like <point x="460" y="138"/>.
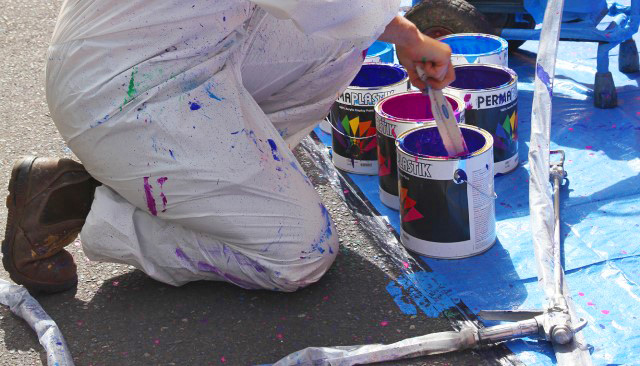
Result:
<point x="48" y="202"/>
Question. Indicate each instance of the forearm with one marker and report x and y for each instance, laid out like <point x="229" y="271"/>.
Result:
<point x="401" y="32"/>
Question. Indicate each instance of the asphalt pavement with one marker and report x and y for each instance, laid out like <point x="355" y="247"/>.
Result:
<point x="118" y="316"/>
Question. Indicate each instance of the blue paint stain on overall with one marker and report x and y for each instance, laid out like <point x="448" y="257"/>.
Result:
<point x="325" y="235"/>
<point x="211" y="94"/>
<point x="274" y="150"/>
<point x="194" y="106"/>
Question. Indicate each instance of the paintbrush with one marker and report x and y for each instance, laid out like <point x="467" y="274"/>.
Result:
<point x="445" y="119"/>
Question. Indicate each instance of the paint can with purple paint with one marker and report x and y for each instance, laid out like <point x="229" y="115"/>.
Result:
<point x="395" y="115"/>
<point x="490" y="94"/>
<point x="447" y="205"/>
<point x="477" y="48"/>
<point x="353" y="116"/>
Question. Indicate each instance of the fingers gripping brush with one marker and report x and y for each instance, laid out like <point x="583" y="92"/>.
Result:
<point x="445" y="120"/>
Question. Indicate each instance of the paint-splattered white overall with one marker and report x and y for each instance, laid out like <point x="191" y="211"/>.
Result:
<point x="186" y="112"/>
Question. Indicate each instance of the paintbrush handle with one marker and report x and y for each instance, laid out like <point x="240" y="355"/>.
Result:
<point x="445" y="120"/>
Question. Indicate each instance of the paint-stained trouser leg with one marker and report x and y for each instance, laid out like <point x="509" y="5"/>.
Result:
<point x="204" y="187"/>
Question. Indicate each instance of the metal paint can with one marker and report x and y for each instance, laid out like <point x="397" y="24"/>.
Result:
<point x="380" y="52"/>
<point x="395" y="115"/>
<point x="490" y="94"/>
<point x="477" y="48"/>
<point x="353" y="116"/>
<point x="447" y="205"/>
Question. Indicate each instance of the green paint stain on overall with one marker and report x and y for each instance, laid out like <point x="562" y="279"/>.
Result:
<point x="131" y="92"/>
<point x="132" y="87"/>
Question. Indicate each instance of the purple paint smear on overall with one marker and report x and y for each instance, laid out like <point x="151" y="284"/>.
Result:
<point x="161" y="181"/>
<point x="151" y="202"/>
<point x="206" y="267"/>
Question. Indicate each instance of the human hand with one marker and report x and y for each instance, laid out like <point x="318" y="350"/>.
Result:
<point x="432" y="56"/>
<point x="415" y="49"/>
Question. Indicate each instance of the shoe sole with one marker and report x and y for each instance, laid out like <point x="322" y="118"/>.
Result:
<point x="15" y="202"/>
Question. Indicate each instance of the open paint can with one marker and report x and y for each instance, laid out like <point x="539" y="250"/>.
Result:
<point x="490" y="94"/>
<point x="477" y="48"/>
<point x="447" y="204"/>
<point x="380" y="52"/>
<point x="353" y="116"/>
<point x="395" y="115"/>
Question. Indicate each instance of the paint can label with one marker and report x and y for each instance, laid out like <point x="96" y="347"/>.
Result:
<point x="495" y="111"/>
<point x="354" y="131"/>
<point x="447" y="207"/>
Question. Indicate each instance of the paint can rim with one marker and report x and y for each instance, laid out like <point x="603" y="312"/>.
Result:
<point x="513" y="74"/>
<point x="404" y="79"/>
<point x="378" y="108"/>
<point x="488" y="143"/>
<point x="386" y="48"/>
<point x="504" y="45"/>
<point x="472" y="254"/>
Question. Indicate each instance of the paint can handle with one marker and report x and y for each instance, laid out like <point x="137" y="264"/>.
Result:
<point x="460" y="176"/>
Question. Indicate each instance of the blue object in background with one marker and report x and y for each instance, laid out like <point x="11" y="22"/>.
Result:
<point x="608" y="23"/>
<point x="380" y="52"/>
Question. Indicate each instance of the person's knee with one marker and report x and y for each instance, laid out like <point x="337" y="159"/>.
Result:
<point x="314" y="259"/>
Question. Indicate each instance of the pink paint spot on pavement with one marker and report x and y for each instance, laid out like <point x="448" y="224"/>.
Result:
<point x="581" y="293"/>
<point x="591" y="304"/>
<point x="605" y="312"/>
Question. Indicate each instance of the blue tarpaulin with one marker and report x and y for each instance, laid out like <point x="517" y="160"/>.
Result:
<point x="600" y="217"/>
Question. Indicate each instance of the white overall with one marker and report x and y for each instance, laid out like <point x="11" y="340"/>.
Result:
<point x="186" y="112"/>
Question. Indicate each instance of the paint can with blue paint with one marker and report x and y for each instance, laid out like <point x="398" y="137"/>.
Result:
<point x="395" y="115"/>
<point x="490" y="94"/>
<point x="477" y="48"/>
<point x="447" y="204"/>
<point x="380" y="52"/>
<point x="353" y="116"/>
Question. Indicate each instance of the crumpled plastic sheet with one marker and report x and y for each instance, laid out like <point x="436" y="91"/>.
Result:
<point x="429" y="344"/>
<point x="21" y="303"/>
